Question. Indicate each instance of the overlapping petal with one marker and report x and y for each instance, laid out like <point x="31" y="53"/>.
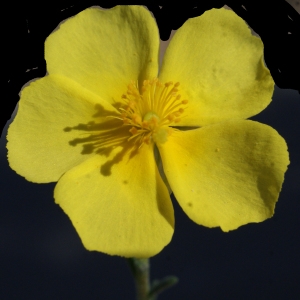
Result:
<point x="228" y="174"/>
<point x="103" y="50"/>
<point x="118" y="203"/>
<point x="53" y="112"/>
<point x="220" y="68"/>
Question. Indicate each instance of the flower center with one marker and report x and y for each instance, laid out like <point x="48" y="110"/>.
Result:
<point x="149" y="111"/>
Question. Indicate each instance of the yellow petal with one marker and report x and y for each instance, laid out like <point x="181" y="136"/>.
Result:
<point x="228" y="174"/>
<point x="104" y="49"/>
<point x="42" y="137"/>
<point x="220" y="69"/>
<point x="118" y="204"/>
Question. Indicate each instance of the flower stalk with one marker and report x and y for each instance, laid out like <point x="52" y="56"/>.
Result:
<point x="140" y="268"/>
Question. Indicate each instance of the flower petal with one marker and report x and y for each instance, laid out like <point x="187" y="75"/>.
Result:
<point x="118" y="204"/>
<point x="228" y="174"/>
<point x="220" y="68"/>
<point x="104" y="49"/>
<point x="53" y="112"/>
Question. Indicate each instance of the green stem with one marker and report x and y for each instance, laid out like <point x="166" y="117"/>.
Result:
<point x="140" y="268"/>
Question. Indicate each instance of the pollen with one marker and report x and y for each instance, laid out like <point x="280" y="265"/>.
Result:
<point x="150" y="110"/>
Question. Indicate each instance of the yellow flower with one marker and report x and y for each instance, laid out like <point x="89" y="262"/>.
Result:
<point x="93" y="125"/>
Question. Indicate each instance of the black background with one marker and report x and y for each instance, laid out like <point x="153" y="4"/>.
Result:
<point x="41" y="256"/>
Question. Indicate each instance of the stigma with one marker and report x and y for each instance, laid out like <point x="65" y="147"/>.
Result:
<point x="150" y="110"/>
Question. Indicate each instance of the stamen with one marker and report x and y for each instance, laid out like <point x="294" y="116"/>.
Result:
<point x="149" y="110"/>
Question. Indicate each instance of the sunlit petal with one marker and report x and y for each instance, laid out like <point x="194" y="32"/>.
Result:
<point x="228" y="174"/>
<point x="103" y="50"/>
<point x="219" y="65"/>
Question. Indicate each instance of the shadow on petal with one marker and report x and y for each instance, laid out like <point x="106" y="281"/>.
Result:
<point x="102" y="135"/>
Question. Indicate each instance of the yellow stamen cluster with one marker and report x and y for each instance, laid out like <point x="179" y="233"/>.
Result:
<point x="149" y="110"/>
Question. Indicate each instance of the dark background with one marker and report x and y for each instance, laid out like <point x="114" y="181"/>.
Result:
<point x="41" y="255"/>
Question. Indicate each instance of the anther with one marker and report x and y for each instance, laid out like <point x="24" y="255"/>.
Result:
<point x="133" y="130"/>
<point x="131" y="104"/>
<point x="146" y="139"/>
<point x="171" y="117"/>
<point x="145" y="124"/>
<point x="136" y="119"/>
